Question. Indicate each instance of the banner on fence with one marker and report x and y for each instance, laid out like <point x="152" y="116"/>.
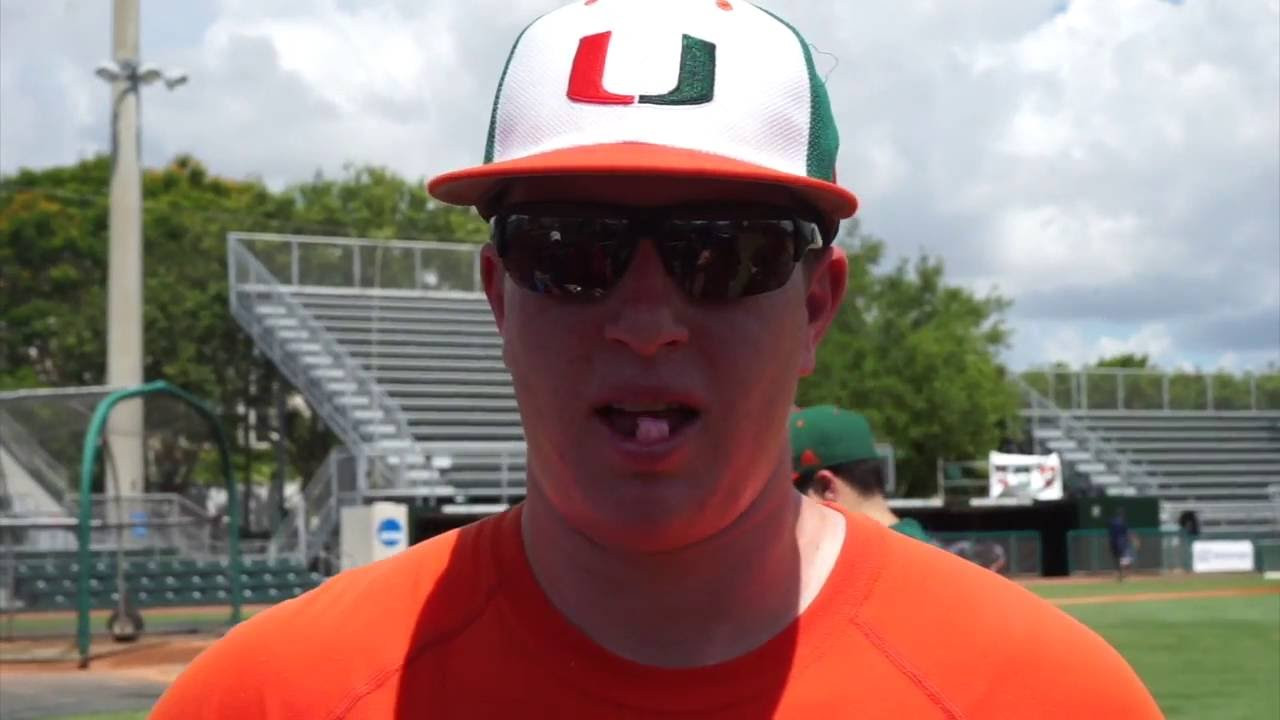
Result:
<point x="1038" y="477"/>
<point x="1222" y="556"/>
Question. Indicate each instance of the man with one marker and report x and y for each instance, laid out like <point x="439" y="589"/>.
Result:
<point x="1121" y="541"/>
<point x="661" y="565"/>
<point x="833" y="453"/>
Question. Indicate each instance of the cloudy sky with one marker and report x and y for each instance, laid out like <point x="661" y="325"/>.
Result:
<point x="1111" y="165"/>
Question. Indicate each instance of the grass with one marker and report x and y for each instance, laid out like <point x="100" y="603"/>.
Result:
<point x="1202" y="658"/>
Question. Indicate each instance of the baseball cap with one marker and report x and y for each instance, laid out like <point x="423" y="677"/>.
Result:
<point x="825" y="435"/>
<point x="713" y="89"/>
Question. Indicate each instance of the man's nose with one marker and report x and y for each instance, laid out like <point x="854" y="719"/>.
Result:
<point x="645" y="307"/>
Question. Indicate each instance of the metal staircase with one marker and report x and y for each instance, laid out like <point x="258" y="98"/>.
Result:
<point x="1090" y="462"/>
<point x="393" y="345"/>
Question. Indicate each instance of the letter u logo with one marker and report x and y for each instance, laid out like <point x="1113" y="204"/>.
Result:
<point x="694" y="86"/>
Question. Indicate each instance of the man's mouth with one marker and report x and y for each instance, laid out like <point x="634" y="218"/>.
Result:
<point x="647" y="423"/>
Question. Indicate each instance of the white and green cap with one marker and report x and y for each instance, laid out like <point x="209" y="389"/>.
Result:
<point x="668" y="88"/>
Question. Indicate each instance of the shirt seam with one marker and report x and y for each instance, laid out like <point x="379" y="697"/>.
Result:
<point x="914" y="676"/>
<point x="377" y="680"/>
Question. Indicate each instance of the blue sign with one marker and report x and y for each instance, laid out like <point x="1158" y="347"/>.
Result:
<point x="390" y="532"/>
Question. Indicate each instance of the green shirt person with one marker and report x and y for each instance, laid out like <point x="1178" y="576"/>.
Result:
<point x="833" y="453"/>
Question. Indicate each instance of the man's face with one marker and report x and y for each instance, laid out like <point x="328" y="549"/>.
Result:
<point x="653" y="421"/>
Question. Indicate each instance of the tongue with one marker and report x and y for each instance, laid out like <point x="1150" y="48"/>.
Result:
<point x="651" y="429"/>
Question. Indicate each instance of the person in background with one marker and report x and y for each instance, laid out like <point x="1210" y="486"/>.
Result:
<point x="1122" y="542"/>
<point x="835" y="460"/>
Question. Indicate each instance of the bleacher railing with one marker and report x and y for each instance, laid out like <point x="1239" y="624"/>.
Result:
<point x="254" y="287"/>
<point x="1046" y="412"/>
<point x="1137" y="389"/>
<point x="336" y="262"/>
<point x="309" y="526"/>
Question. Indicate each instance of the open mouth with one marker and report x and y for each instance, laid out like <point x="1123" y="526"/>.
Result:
<point x="647" y="424"/>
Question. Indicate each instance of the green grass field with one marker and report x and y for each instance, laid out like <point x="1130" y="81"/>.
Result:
<point x="1215" y="657"/>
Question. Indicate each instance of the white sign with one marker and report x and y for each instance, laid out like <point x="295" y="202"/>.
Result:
<point x="1037" y="477"/>
<point x="1222" y="556"/>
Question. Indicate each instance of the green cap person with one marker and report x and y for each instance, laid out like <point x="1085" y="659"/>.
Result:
<point x="833" y="453"/>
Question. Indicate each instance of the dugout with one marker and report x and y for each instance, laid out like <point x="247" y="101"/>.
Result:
<point x="1053" y="520"/>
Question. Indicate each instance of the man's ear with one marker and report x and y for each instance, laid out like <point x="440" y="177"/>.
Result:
<point x="828" y="279"/>
<point x="824" y="486"/>
<point x="493" y="276"/>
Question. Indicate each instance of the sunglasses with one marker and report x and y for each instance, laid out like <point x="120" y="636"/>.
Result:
<point x="712" y="252"/>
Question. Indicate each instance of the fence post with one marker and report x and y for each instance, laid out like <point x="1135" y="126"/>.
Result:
<point x="1164" y="389"/>
<point x="475" y="272"/>
<point x="1119" y="391"/>
<point x="355" y="265"/>
<point x="1208" y="389"/>
<point x="1084" y="390"/>
<point x="417" y="268"/>
<point x="293" y="261"/>
<point x="1253" y="391"/>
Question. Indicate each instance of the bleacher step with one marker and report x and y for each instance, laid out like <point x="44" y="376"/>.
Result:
<point x="327" y="372"/>
<point x="351" y="400"/>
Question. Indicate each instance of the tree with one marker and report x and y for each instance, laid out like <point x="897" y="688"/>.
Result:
<point x="919" y="358"/>
<point x="1130" y="361"/>
<point x="53" y="233"/>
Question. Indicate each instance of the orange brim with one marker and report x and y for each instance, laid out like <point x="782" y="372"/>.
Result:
<point x="472" y="186"/>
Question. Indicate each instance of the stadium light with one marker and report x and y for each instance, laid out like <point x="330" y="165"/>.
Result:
<point x="138" y="76"/>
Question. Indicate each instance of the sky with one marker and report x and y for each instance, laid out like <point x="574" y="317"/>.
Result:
<point x="1112" y="166"/>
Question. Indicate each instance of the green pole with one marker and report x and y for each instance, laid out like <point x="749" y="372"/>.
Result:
<point x="89" y="459"/>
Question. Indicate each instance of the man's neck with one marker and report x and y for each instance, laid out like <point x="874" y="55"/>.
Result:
<point x="700" y="605"/>
<point x="877" y="508"/>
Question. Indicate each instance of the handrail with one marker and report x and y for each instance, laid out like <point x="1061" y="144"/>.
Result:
<point x="331" y="413"/>
<point x="470" y="252"/>
<point x="1077" y="381"/>
<point x="357" y="242"/>
<point x="1094" y="443"/>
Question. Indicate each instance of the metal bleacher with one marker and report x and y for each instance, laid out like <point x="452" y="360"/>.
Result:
<point x="1224" y="464"/>
<point x="393" y="344"/>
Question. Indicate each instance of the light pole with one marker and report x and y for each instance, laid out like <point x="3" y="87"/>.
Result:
<point x="124" y="273"/>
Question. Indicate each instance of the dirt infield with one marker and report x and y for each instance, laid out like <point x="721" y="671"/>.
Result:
<point x="1156" y="596"/>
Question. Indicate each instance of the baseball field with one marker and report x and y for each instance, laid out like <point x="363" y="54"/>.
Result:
<point x="1207" y="646"/>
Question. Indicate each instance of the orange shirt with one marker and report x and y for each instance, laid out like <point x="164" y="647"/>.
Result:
<point x="457" y="627"/>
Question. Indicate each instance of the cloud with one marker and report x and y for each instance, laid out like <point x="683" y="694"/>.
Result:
<point x="1111" y="165"/>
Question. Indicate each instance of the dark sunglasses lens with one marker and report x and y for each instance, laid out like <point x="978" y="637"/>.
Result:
<point x="726" y="259"/>
<point x="565" y="257"/>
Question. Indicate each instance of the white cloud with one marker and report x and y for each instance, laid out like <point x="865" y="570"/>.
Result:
<point x="1113" y="165"/>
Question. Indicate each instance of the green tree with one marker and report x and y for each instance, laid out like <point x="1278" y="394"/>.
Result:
<point x="919" y="357"/>
<point x="53" y="236"/>
<point x="1130" y="361"/>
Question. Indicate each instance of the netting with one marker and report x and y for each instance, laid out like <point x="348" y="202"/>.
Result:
<point x="158" y="537"/>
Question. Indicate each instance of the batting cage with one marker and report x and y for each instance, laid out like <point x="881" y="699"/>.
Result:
<point x="118" y="517"/>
